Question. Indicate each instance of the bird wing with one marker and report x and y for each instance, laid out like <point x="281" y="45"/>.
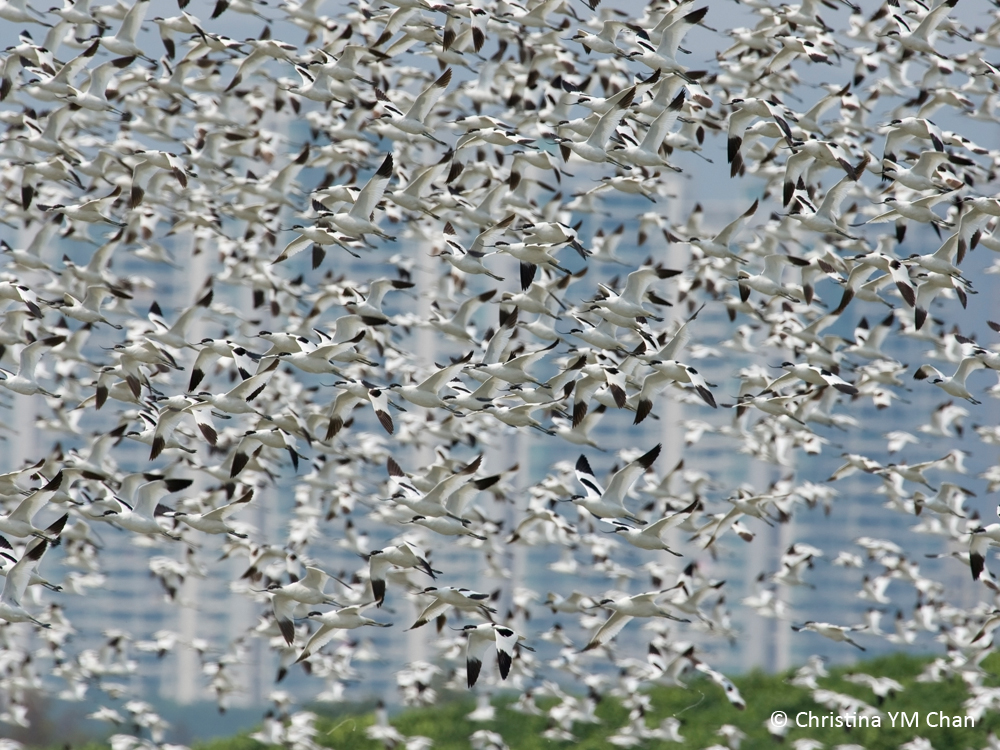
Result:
<point x="422" y="104"/>
<point x="220" y="513"/>
<point x="318" y="639"/>
<point x="773" y="264"/>
<point x="380" y="403"/>
<point x="506" y="640"/>
<point x="725" y="237"/>
<point x="659" y="128"/>
<point x="446" y="487"/>
<point x="431" y="612"/>
<point x="675" y="32"/>
<point x="732" y="693"/>
<point x="284" y="612"/>
<point x="609" y="121"/>
<point x="378" y="566"/>
<point x="884" y="217"/>
<point x="668" y="522"/>
<point x="294" y="247"/>
<point x="148" y="495"/>
<point x="787" y="379"/>
<point x="250" y="388"/>
<point x="372" y="192"/>
<point x="612" y="627"/>
<point x="978" y="545"/>
<point x="932" y="20"/>
<point x="166" y="423"/>
<point x="585" y="388"/>
<point x="33" y="503"/>
<point x="585" y="475"/>
<point x="967" y="366"/>
<point x="831" y="203"/>
<point x="433" y="383"/>
<point x="722" y="524"/>
<point x="524" y="360"/>
<point x="680" y="339"/>
<point x="28" y="359"/>
<point x="933" y="200"/>
<point x="132" y="21"/>
<point x="488" y="235"/>
<point x="203" y="418"/>
<point x="20" y="573"/>
<point x="636" y="284"/>
<point x="928" y="163"/>
<point x="624" y="478"/>
<point x="475" y="650"/>
<point x="315" y="578"/>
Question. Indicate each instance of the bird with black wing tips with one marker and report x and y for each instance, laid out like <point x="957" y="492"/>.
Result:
<point x="16" y="583"/>
<point x="402" y="555"/>
<point x="480" y="638"/>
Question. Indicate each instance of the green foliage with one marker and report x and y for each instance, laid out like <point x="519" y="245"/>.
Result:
<point x="701" y="707"/>
<point x="239" y="742"/>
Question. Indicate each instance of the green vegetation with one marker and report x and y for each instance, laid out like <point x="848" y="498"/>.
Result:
<point x="702" y="708"/>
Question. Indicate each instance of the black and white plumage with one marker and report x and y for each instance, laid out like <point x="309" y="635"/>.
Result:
<point x="215" y="187"/>
<point x="480" y="638"/>
<point x="610" y="502"/>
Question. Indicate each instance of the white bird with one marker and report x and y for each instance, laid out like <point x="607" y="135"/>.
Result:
<point x="603" y="41"/>
<point x="625" y="609"/>
<point x="425" y="393"/>
<point x="23" y="381"/>
<point x="918" y="210"/>
<point x="124" y="42"/>
<point x="142" y="518"/>
<point x="610" y="502"/>
<point x="357" y="222"/>
<point x="347" y="618"/>
<point x="480" y="637"/>
<point x="900" y="131"/>
<point x="88" y="310"/>
<point x="955" y="385"/>
<point x="628" y="304"/>
<point x="16" y="583"/>
<point x="238" y="400"/>
<point x="595" y="147"/>
<point x="647" y="152"/>
<point x="431" y="503"/>
<point x="663" y="57"/>
<point x="920" y="39"/>
<point x="444" y="598"/>
<point x="402" y="555"/>
<point x="213" y="349"/>
<point x="838" y="633"/>
<point x="214" y="521"/>
<point x="718" y="246"/>
<point x="768" y="282"/>
<point x="650" y="537"/>
<point x="414" y="121"/>
<point x="471" y="261"/>
<point x="826" y="218"/>
<point x="813" y="375"/>
<point x="288" y="599"/>
<point x="923" y="175"/>
<point x="18" y="523"/>
<point x="981" y="539"/>
<point x="94" y="97"/>
<point x="748" y="110"/>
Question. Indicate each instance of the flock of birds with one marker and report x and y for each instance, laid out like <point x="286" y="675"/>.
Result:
<point x="467" y="159"/>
